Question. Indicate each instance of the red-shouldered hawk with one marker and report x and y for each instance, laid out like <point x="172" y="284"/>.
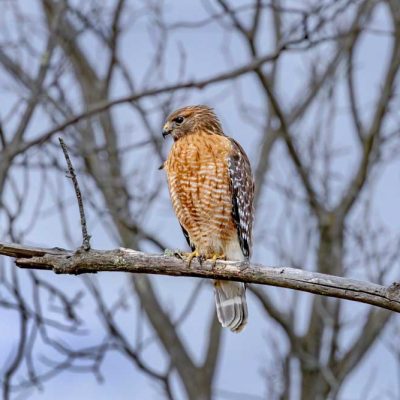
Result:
<point x="212" y="190"/>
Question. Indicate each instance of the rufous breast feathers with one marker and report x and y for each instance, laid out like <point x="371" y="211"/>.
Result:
<point x="199" y="184"/>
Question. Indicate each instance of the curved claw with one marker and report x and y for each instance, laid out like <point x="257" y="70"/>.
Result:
<point x="191" y="256"/>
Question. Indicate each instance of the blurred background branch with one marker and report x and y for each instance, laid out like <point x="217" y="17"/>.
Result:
<point x="310" y="88"/>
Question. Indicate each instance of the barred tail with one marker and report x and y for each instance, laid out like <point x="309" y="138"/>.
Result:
<point x="230" y="300"/>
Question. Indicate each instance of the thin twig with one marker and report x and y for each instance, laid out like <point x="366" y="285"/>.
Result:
<point x="72" y="175"/>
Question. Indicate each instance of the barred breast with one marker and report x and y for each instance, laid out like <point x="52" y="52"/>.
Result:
<point x="200" y="189"/>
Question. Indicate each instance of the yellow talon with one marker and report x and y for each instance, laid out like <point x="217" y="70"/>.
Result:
<point x="216" y="257"/>
<point x="189" y="256"/>
<point x="193" y="255"/>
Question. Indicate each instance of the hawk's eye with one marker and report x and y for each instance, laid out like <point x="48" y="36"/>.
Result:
<point x="178" y="120"/>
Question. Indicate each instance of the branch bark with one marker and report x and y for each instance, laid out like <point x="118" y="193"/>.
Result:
<point x="63" y="261"/>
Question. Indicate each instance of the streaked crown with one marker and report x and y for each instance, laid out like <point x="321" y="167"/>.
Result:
<point x="192" y="120"/>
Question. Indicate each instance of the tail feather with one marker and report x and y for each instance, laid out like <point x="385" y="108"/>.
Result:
<point x="230" y="301"/>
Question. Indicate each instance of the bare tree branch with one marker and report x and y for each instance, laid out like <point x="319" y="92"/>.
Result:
<point x="371" y="139"/>
<point x="190" y="84"/>
<point x="126" y="260"/>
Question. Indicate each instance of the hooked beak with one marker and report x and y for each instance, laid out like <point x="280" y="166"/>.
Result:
<point x="166" y="130"/>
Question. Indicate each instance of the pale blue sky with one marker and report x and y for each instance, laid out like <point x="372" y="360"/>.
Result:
<point x="245" y="357"/>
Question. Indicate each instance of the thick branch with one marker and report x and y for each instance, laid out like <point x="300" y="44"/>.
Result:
<point x="125" y="260"/>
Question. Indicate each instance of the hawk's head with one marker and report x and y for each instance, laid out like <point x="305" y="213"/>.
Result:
<point x="192" y="120"/>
